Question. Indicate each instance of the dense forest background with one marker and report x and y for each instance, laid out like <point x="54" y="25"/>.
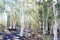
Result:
<point x="42" y="16"/>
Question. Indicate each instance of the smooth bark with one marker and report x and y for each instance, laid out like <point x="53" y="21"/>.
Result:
<point x="22" y="18"/>
<point x="55" y="11"/>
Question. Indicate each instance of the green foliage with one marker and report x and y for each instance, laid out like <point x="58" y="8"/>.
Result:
<point x="58" y="5"/>
<point x="49" y="1"/>
<point x="45" y="7"/>
<point x="1" y="6"/>
<point x="40" y="15"/>
<point x="41" y="12"/>
<point x="58" y="15"/>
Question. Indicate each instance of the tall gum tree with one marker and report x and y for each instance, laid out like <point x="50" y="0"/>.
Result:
<point x="55" y="11"/>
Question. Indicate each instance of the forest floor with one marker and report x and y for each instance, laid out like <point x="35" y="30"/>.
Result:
<point x="8" y="36"/>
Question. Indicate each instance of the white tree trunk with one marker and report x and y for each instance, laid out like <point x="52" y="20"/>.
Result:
<point x="44" y="32"/>
<point x="5" y="20"/>
<point x="22" y="19"/>
<point x="55" y="29"/>
<point x="14" y="23"/>
<point x="44" y="29"/>
<point x="10" y="21"/>
<point x="46" y="23"/>
<point x="55" y="11"/>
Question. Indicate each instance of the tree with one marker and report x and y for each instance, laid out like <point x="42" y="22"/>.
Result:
<point x="22" y="19"/>
<point x="55" y="11"/>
